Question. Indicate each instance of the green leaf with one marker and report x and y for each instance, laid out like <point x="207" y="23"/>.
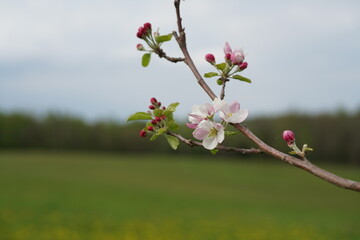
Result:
<point x="171" y="108"/>
<point x="230" y="133"/>
<point x="140" y="116"/>
<point x="293" y="153"/>
<point x="158" y="112"/>
<point x="146" y="59"/>
<point x="221" y="66"/>
<point x="172" y="125"/>
<point x="241" y="78"/>
<point x="173" y="141"/>
<point x="214" y="151"/>
<point x="163" y="38"/>
<point x="211" y="74"/>
<point x="154" y="137"/>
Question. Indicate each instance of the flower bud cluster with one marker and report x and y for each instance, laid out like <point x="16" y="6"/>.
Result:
<point x="234" y="63"/>
<point x="145" y="33"/>
<point x="158" y="121"/>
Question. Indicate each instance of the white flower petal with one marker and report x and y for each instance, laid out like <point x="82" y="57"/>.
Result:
<point x="209" y="142"/>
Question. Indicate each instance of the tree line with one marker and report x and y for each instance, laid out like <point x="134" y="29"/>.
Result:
<point x="335" y="137"/>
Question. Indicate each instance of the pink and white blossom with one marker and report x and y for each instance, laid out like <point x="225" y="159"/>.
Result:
<point x="227" y="49"/>
<point x="236" y="57"/>
<point x="203" y="112"/>
<point x="232" y="113"/>
<point x="210" y="133"/>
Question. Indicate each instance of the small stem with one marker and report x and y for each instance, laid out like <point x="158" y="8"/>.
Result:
<point x="222" y="94"/>
<point x="162" y="54"/>
<point x="220" y="147"/>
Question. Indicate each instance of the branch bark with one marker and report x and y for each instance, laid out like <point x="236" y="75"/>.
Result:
<point x="162" y="54"/>
<point x="192" y="143"/>
<point x="302" y="164"/>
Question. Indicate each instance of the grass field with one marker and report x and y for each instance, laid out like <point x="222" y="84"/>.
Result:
<point x="75" y="196"/>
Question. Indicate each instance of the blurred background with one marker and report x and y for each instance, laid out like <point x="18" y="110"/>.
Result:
<point x="72" y="168"/>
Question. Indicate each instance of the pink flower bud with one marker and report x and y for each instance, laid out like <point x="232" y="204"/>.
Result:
<point x="237" y="56"/>
<point x="143" y="133"/>
<point x="141" y="32"/>
<point x="163" y="117"/>
<point x="227" y="57"/>
<point x="243" y="65"/>
<point x="152" y="107"/>
<point x="154" y="122"/>
<point x="289" y="137"/>
<point x="163" y="108"/>
<point x="159" y="104"/>
<point x="140" y="47"/>
<point x="153" y="101"/>
<point x="147" y="26"/>
<point x="210" y="58"/>
<point x="150" y="128"/>
<point x="157" y="119"/>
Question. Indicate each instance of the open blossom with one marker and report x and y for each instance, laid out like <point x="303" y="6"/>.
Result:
<point x="210" y="133"/>
<point x="232" y="113"/>
<point x="236" y="57"/>
<point x="200" y="113"/>
<point x="203" y="112"/>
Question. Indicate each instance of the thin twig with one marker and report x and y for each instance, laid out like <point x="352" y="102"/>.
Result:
<point x="162" y="54"/>
<point x="223" y="86"/>
<point x="192" y="143"/>
<point x="305" y="165"/>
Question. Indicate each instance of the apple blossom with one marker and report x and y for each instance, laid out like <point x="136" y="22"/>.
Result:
<point x="243" y="66"/>
<point x="210" y="58"/>
<point x="143" y="133"/>
<point x="237" y="56"/>
<point x="227" y="49"/>
<point x="140" y="47"/>
<point x="200" y="113"/>
<point x="203" y="112"/>
<point x="210" y="133"/>
<point x="232" y="113"/>
<point x="289" y="137"/>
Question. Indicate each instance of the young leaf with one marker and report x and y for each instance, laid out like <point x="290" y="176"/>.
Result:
<point x="173" y="141"/>
<point x="163" y="38"/>
<point x="171" y="108"/>
<point x="241" y="78"/>
<point x="158" y="112"/>
<point x="139" y="116"/>
<point x="154" y="137"/>
<point x="221" y="66"/>
<point x="211" y="74"/>
<point x="214" y="151"/>
<point x="172" y="125"/>
<point x="145" y="59"/>
<point x="231" y="133"/>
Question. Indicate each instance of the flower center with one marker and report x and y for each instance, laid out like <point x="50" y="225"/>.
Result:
<point x="213" y="132"/>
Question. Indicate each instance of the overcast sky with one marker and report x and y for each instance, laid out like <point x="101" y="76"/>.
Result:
<point x="79" y="56"/>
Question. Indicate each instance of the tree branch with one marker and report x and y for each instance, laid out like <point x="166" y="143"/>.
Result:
<point x="192" y="143"/>
<point x="305" y="165"/>
<point x="162" y="54"/>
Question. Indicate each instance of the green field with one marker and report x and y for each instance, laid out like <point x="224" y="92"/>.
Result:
<point x="75" y="196"/>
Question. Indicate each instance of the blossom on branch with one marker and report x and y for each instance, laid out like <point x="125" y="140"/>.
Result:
<point x="210" y="133"/>
<point x="232" y="113"/>
<point x="236" y="57"/>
